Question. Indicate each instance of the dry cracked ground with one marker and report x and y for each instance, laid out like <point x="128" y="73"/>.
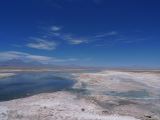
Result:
<point x="105" y="95"/>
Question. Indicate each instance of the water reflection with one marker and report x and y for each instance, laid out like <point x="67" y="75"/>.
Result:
<point x="26" y="84"/>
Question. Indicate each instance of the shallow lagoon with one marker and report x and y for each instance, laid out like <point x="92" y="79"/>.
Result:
<point x="27" y="84"/>
<point x="130" y="94"/>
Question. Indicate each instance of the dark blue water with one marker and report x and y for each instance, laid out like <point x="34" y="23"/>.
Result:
<point x="27" y="84"/>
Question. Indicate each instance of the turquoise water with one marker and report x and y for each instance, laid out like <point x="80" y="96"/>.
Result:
<point x="27" y="84"/>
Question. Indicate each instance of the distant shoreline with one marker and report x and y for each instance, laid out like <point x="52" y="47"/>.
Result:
<point x="3" y="75"/>
<point x="71" y="69"/>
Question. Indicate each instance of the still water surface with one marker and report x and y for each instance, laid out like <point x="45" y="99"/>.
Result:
<point x="27" y="84"/>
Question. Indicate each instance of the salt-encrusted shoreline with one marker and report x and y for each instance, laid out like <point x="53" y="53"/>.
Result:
<point x="93" y="106"/>
<point x="123" y="92"/>
<point x="55" y="106"/>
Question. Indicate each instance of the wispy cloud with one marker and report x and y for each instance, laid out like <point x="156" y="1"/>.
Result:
<point x="77" y="41"/>
<point x="42" y="44"/>
<point x="55" y="28"/>
<point x="26" y="57"/>
<point x="111" y="37"/>
<point x="112" y="33"/>
<point x="74" y="40"/>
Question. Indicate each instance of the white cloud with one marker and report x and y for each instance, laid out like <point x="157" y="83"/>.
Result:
<point x="42" y="44"/>
<point x="77" y="41"/>
<point x="5" y="56"/>
<point x="56" y="34"/>
<point x="56" y="28"/>
<point x="26" y="57"/>
<point x="112" y="33"/>
<point x="74" y="40"/>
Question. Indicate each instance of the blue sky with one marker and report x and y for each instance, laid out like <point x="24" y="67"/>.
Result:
<point x="81" y="32"/>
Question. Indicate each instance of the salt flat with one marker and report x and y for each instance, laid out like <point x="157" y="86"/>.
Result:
<point x="54" y="106"/>
<point x="105" y="95"/>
